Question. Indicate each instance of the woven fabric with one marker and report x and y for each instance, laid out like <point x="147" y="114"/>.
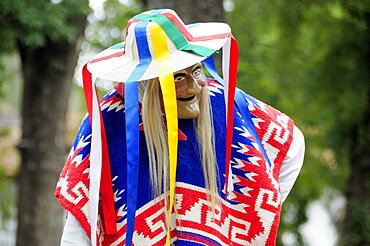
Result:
<point x="249" y="217"/>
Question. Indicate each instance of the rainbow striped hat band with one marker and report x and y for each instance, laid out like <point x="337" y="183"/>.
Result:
<point x="157" y="44"/>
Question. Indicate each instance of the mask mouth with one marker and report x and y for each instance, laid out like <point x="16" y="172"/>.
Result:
<point x="186" y="99"/>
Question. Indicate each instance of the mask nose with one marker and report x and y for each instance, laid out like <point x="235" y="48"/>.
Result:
<point x="192" y="85"/>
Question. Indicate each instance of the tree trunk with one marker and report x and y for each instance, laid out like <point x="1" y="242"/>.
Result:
<point x="356" y="226"/>
<point x="47" y="75"/>
<point x="192" y="11"/>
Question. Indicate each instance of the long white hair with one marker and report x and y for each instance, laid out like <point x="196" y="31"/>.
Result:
<point x="157" y="144"/>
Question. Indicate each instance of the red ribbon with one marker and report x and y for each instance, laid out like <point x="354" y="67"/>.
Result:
<point x="233" y="70"/>
<point x="106" y="187"/>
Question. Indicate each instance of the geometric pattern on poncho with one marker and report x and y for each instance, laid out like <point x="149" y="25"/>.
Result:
<point x="251" y="214"/>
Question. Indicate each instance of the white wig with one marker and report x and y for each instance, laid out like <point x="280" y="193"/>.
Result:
<point x="157" y="145"/>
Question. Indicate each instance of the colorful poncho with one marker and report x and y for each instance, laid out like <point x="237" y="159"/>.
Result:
<point x="251" y="213"/>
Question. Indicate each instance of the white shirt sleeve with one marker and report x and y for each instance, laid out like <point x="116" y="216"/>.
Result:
<point x="74" y="234"/>
<point x="292" y="163"/>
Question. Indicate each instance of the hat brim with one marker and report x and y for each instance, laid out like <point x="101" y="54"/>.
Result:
<point x="117" y="65"/>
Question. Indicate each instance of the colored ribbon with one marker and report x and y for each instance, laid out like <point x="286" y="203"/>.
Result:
<point x="241" y="102"/>
<point x="162" y="58"/>
<point x="230" y="68"/>
<point x="132" y="126"/>
<point x="100" y="175"/>
<point x="176" y="35"/>
<point x="184" y="29"/>
<point x="209" y="64"/>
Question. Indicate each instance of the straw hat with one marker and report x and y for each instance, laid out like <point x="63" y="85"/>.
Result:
<point x="187" y="45"/>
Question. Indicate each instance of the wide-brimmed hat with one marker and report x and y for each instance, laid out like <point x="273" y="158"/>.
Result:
<point x="157" y="44"/>
<point x="187" y="45"/>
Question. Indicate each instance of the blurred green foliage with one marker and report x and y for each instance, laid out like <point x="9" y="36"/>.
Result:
<point x="310" y="60"/>
<point x="108" y="25"/>
<point x="33" y="22"/>
<point x="7" y="198"/>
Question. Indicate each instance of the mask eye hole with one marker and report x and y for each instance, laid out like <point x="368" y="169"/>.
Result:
<point x="179" y="78"/>
<point x="197" y="73"/>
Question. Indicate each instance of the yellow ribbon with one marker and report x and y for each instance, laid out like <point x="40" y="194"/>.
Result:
<point x="162" y="58"/>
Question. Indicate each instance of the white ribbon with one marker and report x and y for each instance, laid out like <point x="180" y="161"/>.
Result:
<point x="226" y="69"/>
<point x="225" y="73"/>
<point x="95" y="163"/>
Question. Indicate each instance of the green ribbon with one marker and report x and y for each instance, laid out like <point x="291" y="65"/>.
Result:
<point x="176" y="35"/>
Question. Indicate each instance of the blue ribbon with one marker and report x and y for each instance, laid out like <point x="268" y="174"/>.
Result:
<point x="209" y="64"/>
<point x="246" y="115"/>
<point x="132" y="125"/>
<point x="240" y="101"/>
